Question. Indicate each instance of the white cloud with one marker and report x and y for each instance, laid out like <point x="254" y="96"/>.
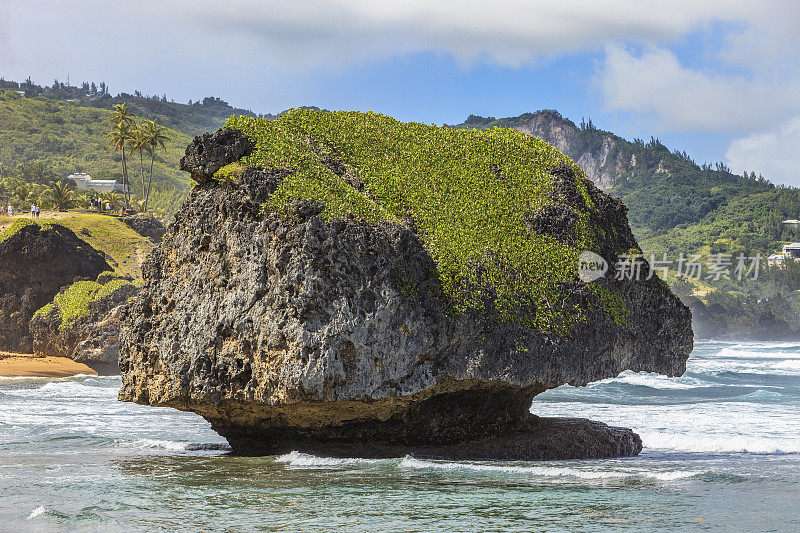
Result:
<point x="311" y="33"/>
<point x="504" y="32"/>
<point x="750" y="82"/>
<point x="773" y="153"/>
<point x="685" y="99"/>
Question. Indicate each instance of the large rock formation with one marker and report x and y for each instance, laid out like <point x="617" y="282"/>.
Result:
<point x="35" y="263"/>
<point x="288" y="330"/>
<point x="91" y="335"/>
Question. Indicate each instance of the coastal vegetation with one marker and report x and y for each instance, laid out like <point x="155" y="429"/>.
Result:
<point x="75" y="301"/>
<point x="677" y="206"/>
<point x="469" y="194"/>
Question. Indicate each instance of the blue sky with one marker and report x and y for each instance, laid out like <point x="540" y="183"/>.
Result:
<point x="719" y="79"/>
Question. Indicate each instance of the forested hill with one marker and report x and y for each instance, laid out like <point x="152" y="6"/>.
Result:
<point x="43" y="139"/>
<point x="674" y="204"/>
<point x="193" y="118"/>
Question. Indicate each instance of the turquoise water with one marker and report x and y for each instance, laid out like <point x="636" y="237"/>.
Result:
<point x="722" y="452"/>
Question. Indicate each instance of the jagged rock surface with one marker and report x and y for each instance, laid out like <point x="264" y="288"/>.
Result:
<point x="146" y="226"/>
<point x="35" y="263"/>
<point x="300" y="332"/>
<point x="211" y="151"/>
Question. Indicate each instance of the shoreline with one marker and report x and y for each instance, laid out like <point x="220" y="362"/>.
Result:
<point x="14" y="365"/>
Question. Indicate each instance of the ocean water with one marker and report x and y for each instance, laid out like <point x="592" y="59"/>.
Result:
<point x="722" y="452"/>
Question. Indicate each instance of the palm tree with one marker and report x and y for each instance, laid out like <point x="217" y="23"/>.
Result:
<point x="138" y="143"/>
<point x="84" y="198"/>
<point x="154" y="137"/>
<point x="60" y="196"/>
<point x="21" y="195"/>
<point x="122" y="124"/>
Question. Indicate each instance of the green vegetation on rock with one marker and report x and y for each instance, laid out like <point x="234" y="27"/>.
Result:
<point x="469" y="195"/>
<point x="75" y="301"/>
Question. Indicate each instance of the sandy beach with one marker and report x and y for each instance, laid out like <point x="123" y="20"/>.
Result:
<point x="27" y="365"/>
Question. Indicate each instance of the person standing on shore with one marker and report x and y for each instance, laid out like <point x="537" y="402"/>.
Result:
<point x="38" y="211"/>
<point x="33" y="210"/>
<point x="10" y="210"/>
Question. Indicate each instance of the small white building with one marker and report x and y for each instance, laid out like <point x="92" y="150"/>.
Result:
<point x="86" y="183"/>
<point x="791" y="223"/>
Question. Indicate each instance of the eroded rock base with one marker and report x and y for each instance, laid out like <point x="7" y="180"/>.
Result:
<point x="532" y="439"/>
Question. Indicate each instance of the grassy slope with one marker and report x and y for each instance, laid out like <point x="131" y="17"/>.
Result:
<point x="204" y="115"/>
<point x="125" y="249"/>
<point x="69" y="138"/>
<point x="446" y="180"/>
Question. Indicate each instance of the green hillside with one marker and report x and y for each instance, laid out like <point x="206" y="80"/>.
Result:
<point x="193" y="119"/>
<point x="43" y="139"/>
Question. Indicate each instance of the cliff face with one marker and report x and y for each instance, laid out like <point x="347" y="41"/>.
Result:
<point x="35" y="263"/>
<point x="288" y="329"/>
<point x="600" y="161"/>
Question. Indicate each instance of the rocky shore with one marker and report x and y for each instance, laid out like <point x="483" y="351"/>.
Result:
<point x="288" y="329"/>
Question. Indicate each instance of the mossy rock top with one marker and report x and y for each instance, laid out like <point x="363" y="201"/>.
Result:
<point x="76" y="300"/>
<point x="471" y="196"/>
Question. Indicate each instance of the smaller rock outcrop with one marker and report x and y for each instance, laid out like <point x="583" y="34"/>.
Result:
<point x="146" y="226"/>
<point x="533" y="438"/>
<point x="82" y="322"/>
<point x="35" y="263"/>
<point x="212" y="151"/>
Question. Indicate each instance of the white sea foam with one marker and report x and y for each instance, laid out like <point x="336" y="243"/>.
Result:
<point x="156" y="444"/>
<point x="751" y="353"/>
<point x="719" y="443"/>
<point x="296" y="458"/>
<point x="36" y="512"/>
<point x="173" y="446"/>
<point x="655" y="381"/>
<point x="90" y="388"/>
<point x="546" y="471"/>
<point x="793" y="364"/>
